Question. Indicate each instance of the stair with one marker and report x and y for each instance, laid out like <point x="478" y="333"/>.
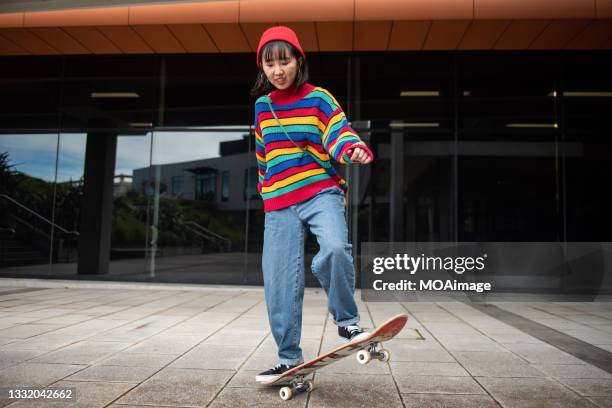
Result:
<point x="14" y="252"/>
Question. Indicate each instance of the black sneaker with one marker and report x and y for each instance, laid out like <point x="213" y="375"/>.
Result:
<point x="351" y="332"/>
<point x="273" y="373"/>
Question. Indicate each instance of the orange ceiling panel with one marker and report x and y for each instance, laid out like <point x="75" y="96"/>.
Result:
<point x="408" y="35"/>
<point x="29" y="41"/>
<point x="253" y="32"/>
<point x="160" y="38"/>
<point x="482" y="34"/>
<point x="60" y="40"/>
<point x="413" y="10"/>
<point x="598" y="34"/>
<point x="79" y="17"/>
<point x="521" y="34"/>
<point x="126" y="39"/>
<point x="336" y="36"/>
<point x="93" y="40"/>
<point x="11" y="20"/>
<point x="533" y="9"/>
<point x="225" y="11"/>
<point x="8" y="47"/>
<point x="558" y="34"/>
<point x="258" y="11"/>
<point x="193" y="38"/>
<point x="445" y="35"/>
<point x="228" y="37"/>
<point x="604" y="8"/>
<point x="372" y="35"/>
<point x="307" y="33"/>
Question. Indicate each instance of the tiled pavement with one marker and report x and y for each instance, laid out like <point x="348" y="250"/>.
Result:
<point x="201" y="347"/>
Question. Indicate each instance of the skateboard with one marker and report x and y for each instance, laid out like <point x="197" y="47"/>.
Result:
<point x="367" y="348"/>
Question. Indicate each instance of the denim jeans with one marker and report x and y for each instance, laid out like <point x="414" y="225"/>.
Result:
<point x="283" y="267"/>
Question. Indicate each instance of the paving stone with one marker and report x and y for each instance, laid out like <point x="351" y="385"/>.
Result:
<point x="261" y="397"/>
<point x="138" y="360"/>
<point x="88" y="395"/>
<point x="602" y="402"/>
<point x="364" y="390"/>
<point x="47" y="342"/>
<point x="24" y="331"/>
<point x="542" y="354"/>
<point x="427" y="368"/>
<point x="491" y="364"/>
<point x="114" y="374"/>
<point x="36" y="374"/>
<point x="182" y="387"/>
<point x="572" y="371"/>
<point x="409" y="350"/>
<point x="437" y="385"/>
<point x="532" y="392"/>
<point x="166" y="344"/>
<point x="83" y="352"/>
<point x="600" y="387"/>
<point x="213" y="356"/>
<point x="9" y="357"/>
<point x="448" y="401"/>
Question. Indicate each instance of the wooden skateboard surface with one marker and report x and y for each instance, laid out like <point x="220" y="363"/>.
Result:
<point x="384" y="332"/>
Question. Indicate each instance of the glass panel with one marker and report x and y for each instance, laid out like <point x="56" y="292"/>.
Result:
<point x="29" y="96"/>
<point x="407" y="110"/>
<point x="131" y="199"/>
<point x="586" y="100"/>
<point x="27" y="166"/>
<point x="197" y="236"/>
<point x="509" y="165"/>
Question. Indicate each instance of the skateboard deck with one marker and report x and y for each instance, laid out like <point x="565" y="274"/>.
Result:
<point x="365" y="347"/>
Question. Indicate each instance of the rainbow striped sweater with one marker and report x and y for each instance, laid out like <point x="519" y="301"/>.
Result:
<point x="315" y="122"/>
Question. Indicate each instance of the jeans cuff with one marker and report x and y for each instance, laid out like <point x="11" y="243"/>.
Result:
<point x="290" y="362"/>
<point x="347" y="322"/>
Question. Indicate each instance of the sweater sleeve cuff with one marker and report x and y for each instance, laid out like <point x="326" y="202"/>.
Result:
<point x="360" y="145"/>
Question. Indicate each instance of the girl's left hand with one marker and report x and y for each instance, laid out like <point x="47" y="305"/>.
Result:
<point x="359" y="156"/>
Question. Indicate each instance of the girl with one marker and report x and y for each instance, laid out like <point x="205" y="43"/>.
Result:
<point x="299" y="129"/>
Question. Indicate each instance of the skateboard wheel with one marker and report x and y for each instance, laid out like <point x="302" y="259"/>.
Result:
<point x="309" y="385"/>
<point x="285" y="393"/>
<point x="385" y="355"/>
<point x="364" y="357"/>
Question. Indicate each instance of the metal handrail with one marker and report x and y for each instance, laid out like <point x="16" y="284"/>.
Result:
<point x="207" y="231"/>
<point x="12" y="200"/>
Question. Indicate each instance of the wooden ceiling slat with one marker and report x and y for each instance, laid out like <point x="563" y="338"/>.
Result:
<point x="193" y="38"/>
<point x="482" y="35"/>
<point x="336" y="36"/>
<point x="126" y="39"/>
<point x="408" y="35"/>
<point x="7" y="47"/>
<point x="228" y="37"/>
<point x="372" y="35"/>
<point x="160" y="38"/>
<point x="520" y="34"/>
<point x="93" y="40"/>
<point x="30" y="42"/>
<point x="60" y="40"/>
<point x="445" y="35"/>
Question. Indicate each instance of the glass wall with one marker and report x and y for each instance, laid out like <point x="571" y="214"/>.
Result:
<point x="503" y="146"/>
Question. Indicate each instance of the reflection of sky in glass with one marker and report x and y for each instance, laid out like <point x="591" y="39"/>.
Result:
<point x="35" y="154"/>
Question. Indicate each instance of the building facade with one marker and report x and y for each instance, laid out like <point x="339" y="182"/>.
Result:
<point x="127" y="142"/>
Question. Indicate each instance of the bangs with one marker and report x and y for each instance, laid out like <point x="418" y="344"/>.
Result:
<point x="276" y="50"/>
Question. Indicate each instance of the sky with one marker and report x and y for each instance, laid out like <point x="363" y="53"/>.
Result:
<point x="34" y="154"/>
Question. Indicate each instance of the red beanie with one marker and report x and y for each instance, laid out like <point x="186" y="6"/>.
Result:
<point x="279" y="33"/>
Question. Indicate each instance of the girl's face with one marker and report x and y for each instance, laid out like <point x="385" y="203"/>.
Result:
<point x="281" y="70"/>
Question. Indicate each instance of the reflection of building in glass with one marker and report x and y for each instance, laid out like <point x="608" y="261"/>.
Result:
<point x="225" y="181"/>
<point x="123" y="184"/>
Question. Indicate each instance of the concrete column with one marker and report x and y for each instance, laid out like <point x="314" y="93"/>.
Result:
<point x="97" y="204"/>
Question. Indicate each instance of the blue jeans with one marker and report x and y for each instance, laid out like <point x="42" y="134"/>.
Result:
<point x="283" y="267"/>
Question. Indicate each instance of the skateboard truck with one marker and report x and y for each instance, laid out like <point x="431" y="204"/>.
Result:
<point x="367" y="354"/>
<point x="296" y="386"/>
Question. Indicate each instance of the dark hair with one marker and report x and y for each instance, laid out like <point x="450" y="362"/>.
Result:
<point x="270" y="51"/>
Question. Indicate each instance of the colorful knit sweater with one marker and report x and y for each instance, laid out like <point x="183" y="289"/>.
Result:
<point x="315" y="122"/>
